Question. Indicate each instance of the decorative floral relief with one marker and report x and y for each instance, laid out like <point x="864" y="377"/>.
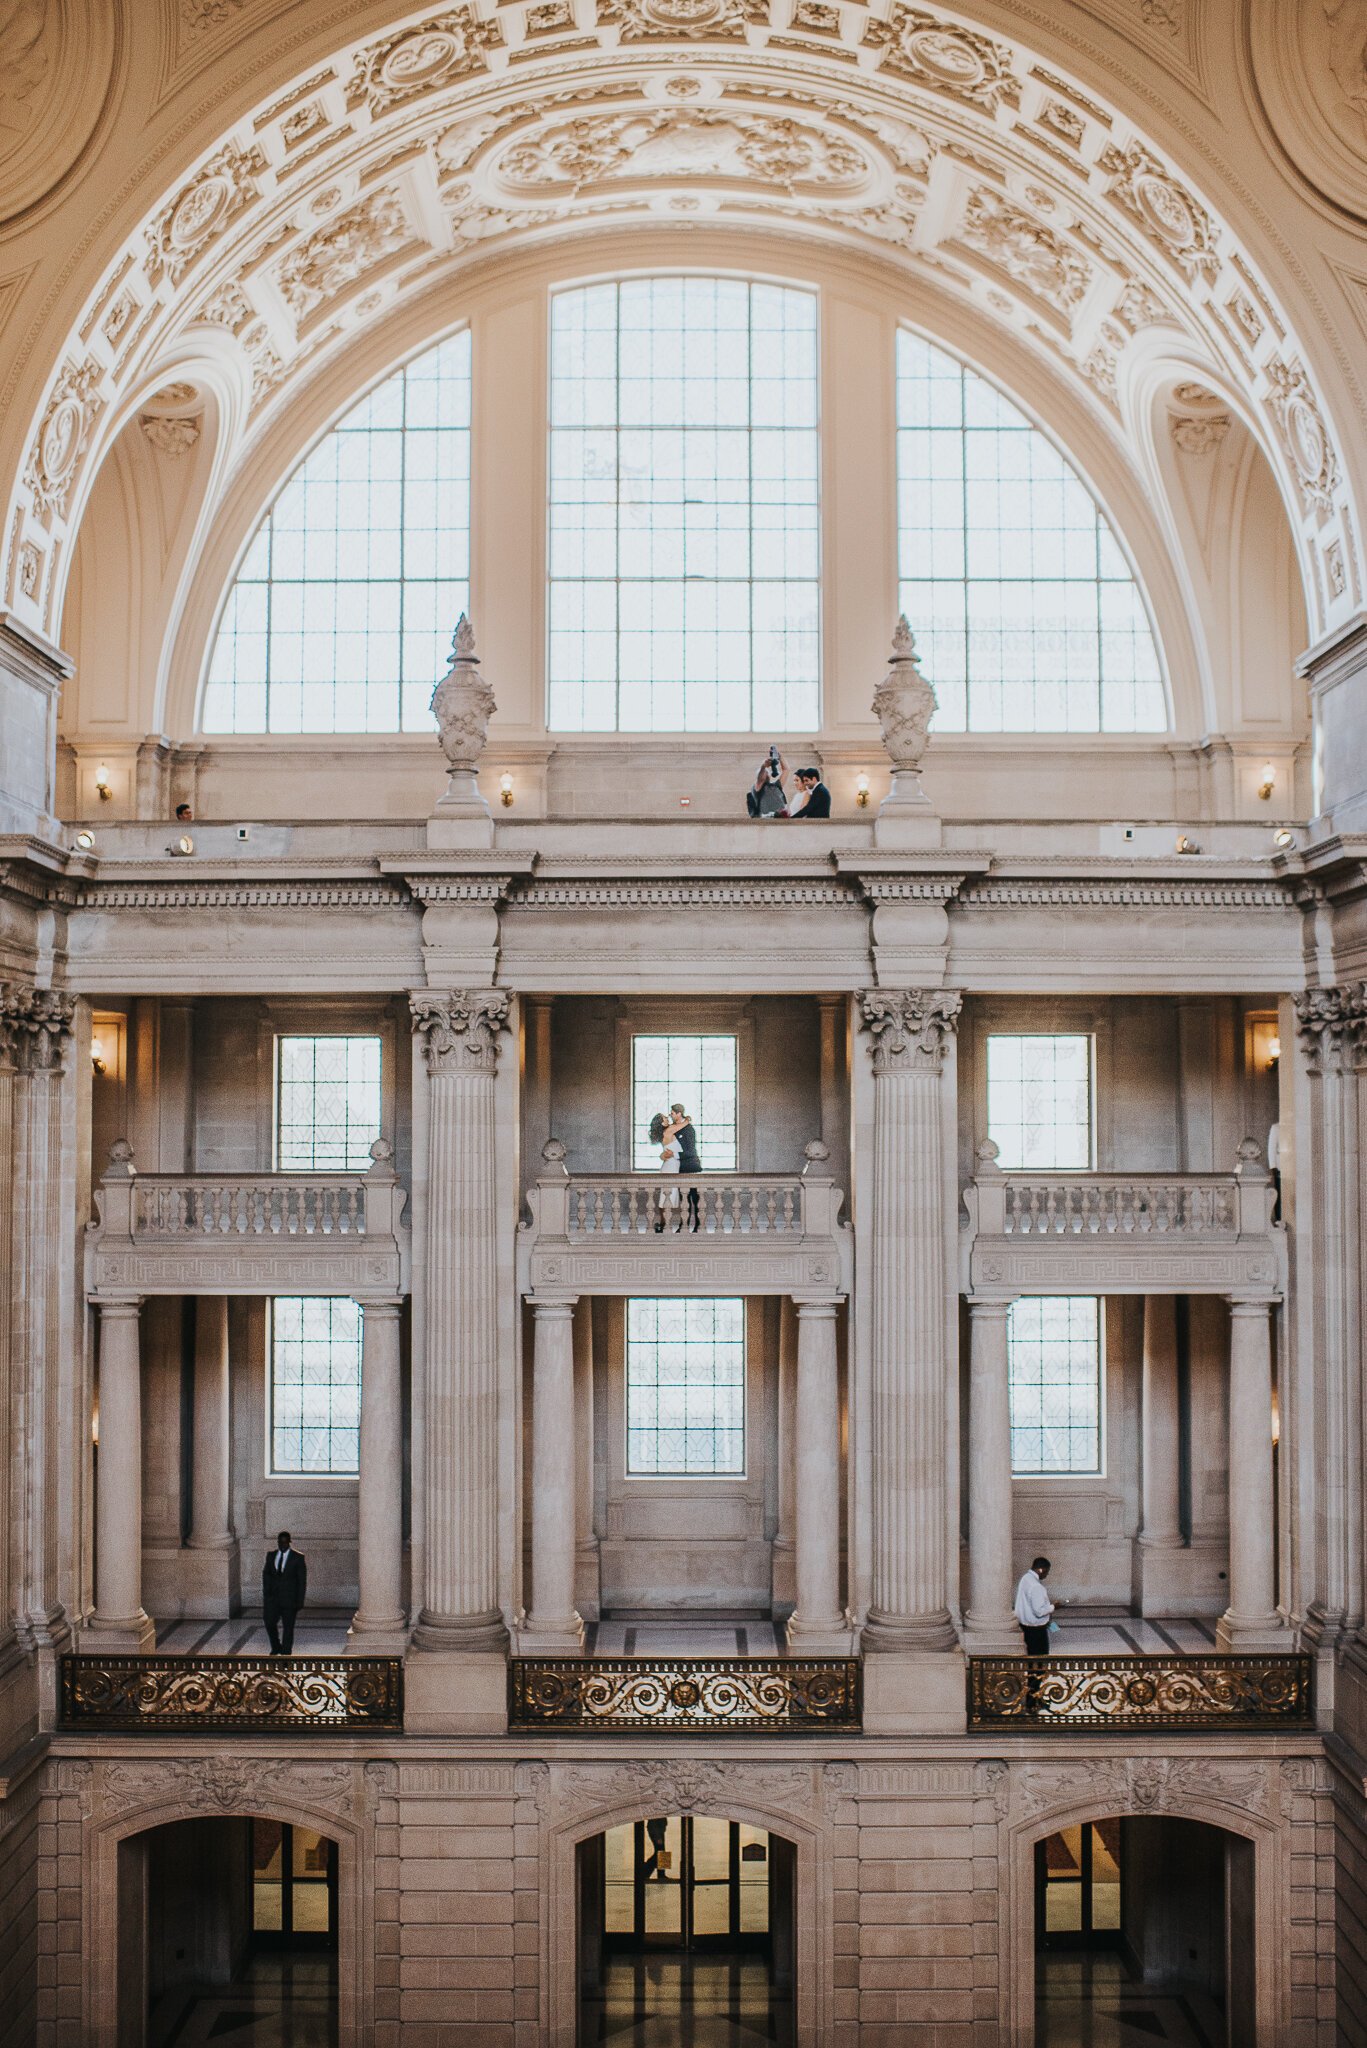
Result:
<point x="72" y="411"/>
<point x="1246" y="318"/>
<point x="1335" y="571"/>
<point x="228" y="307"/>
<point x="197" y="14"/>
<point x="669" y="143"/>
<point x="1062" y="120"/>
<point x="1138" y="307"/>
<point x="223" y="1784"/>
<point x="1168" y="15"/>
<point x="1198" y="433"/>
<point x="1037" y="256"/>
<point x="336" y="255"/>
<point x="1303" y="433"/>
<point x="419" y="60"/>
<point x="953" y="60"/>
<point x="909" y="1026"/>
<point x="169" y="435"/>
<point x="1165" y="210"/>
<point x="643" y="21"/>
<point x="816" y="18"/>
<point x="198" y="215"/>
<point x="30" y="570"/>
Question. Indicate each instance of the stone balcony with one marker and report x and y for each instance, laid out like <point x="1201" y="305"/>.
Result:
<point x="1109" y="1233"/>
<point x="643" y="1233"/>
<point x="247" y="1233"/>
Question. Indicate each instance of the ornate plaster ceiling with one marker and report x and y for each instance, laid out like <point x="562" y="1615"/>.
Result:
<point x="459" y="134"/>
<point x="1309" y="59"/>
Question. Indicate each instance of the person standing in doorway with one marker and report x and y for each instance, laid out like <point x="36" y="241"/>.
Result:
<point x="686" y="1138"/>
<point x="1034" y="1608"/>
<point x="284" y="1583"/>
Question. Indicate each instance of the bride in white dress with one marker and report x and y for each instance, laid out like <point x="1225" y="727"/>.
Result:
<point x="664" y="1132"/>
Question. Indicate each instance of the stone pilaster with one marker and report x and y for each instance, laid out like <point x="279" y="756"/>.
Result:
<point x="1251" y="1621"/>
<point x="819" y="1625"/>
<point x="909" y="1031"/>
<point x="989" y="1620"/>
<point x="378" y="1623"/>
<point x="1161" y="1530"/>
<point x="119" y="1620"/>
<point x="211" y="1565"/>
<point x="554" y="1626"/>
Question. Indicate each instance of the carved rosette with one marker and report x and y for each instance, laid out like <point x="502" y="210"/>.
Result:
<point x="35" y="1027"/>
<point x="1331" y="1024"/>
<point x="909" y="1026"/>
<point x="460" y="1030"/>
<point x="904" y="704"/>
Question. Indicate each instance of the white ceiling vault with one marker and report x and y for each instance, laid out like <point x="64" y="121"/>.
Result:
<point x="461" y="132"/>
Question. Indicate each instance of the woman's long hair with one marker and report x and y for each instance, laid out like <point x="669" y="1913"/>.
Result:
<point x="657" y="1128"/>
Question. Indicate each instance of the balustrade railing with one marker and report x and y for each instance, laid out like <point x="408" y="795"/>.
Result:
<point x="684" y="1695"/>
<point x="224" y="1695"/>
<point x="625" y="1205"/>
<point x="1031" y="1695"/>
<point x="248" y="1205"/>
<point x="1115" y="1205"/>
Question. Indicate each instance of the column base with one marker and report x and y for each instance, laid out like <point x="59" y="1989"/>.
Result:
<point x="210" y="1580"/>
<point x="586" y="1580"/>
<point x="549" y="1639"/>
<point x="834" y="1638"/>
<point x="135" y="1632"/>
<point x="915" y="1693"/>
<point x="381" y="1637"/>
<point x="450" y="1692"/>
<point x="458" y="1634"/>
<point x="992" y="1635"/>
<point x="1239" y="1636"/>
<point x="899" y="1634"/>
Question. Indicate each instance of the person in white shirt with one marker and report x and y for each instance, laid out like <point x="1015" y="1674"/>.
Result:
<point x="1034" y="1608"/>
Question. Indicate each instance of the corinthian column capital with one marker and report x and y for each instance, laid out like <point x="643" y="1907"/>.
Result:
<point x="460" y="1030"/>
<point x="908" y="1026"/>
<point x="1331" y="1024"/>
<point x="35" y="1026"/>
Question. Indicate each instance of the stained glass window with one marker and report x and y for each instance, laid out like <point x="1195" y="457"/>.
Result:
<point x="1026" y="612"/>
<point x="327" y="1103"/>
<point x="700" y="1072"/>
<point x="341" y="616"/>
<point x="684" y="502"/>
<point x="1054" y="1367"/>
<point x="315" y="1384"/>
<point x="1039" y="1100"/>
<point x="685" y="1386"/>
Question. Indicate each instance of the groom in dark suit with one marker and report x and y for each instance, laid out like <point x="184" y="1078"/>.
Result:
<point x="284" y="1582"/>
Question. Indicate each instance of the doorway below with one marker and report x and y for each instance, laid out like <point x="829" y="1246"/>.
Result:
<point x="686" y="1935"/>
<point x="1144" y="1931"/>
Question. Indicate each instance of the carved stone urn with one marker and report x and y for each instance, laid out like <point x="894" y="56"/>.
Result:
<point x="462" y="705"/>
<point x="904" y="703"/>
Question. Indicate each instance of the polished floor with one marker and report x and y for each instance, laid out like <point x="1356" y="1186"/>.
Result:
<point x="686" y="2001"/>
<point x="279" y="2001"/>
<point x="1092" y="2001"/>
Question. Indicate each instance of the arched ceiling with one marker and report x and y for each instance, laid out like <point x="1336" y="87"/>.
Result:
<point x="456" y="134"/>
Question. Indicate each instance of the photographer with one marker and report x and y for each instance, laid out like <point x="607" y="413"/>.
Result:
<point x="767" y="796"/>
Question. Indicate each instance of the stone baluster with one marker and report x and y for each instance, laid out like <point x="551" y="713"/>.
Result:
<point x="989" y="1620"/>
<point x="1251" y="1621"/>
<point x="378" y="1622"/>
<point x="907" y="1240"/>
<point x="460" y="1610"/>
<point x="818" y="1625"/>
<point x="553" y="1627"/>
<point x="119" y="1620"/>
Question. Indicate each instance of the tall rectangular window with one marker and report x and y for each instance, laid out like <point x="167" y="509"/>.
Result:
<point x="1054" y="1368"/>
<point x="1039" y="1100"/>
<point x="684" y="504"/>
<point x="315" y="1384"/>
<point x="685" y="1387"/>
<point x="327" y="1103"/>
<point x="698" y="1070"/>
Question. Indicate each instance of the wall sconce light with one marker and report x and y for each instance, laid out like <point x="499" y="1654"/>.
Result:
<point x="1185" y="845"/>
<point x="97" y="1058"/>
<point x="1284" y="838"/>
<point x="103" y="789"/>
<point x="1274" y="1053"/>
<point x="185" y="844"/>
<point x="505" y="790"/>
<point x="85" y="842"/>
<point x="861" y="791"/>
<point x="1268" y="782"/>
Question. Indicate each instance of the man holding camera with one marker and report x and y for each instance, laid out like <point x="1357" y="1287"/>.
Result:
<point x="767" y="796"/>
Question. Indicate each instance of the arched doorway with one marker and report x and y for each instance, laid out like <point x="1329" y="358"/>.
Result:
<point x="686" y="1923"/>
<point x="228" y="1925"/>
<point x="1144" y="1928"/>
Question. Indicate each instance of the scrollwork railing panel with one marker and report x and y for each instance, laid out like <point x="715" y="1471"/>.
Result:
<point x="226" y="1694"/>
<point x="684" y="1695"/>
<point x="1033" y="1694"/>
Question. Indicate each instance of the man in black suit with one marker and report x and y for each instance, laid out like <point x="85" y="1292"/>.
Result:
<point x="284" y="1582"/>
<point x="813" y="799"/>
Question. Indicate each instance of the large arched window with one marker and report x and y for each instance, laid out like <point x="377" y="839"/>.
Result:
<point x="684" y="464"/>
<point x="1027" y="614"/>
<point x="342" y="610"/>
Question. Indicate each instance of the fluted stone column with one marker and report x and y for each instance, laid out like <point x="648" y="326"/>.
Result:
<point x="1160" y="1531"/>
<point x="379" y="1613"/>
<point x="460" y="1605"/>
<point x="1251" y="1621"/>
<point x="818" y="1624"/>
<point x="119" y="1619"/>
<point x="1331" y="1030"/>
<point x="989" y="1621"/>
<point x="553" y="1627"/>
<point x="906" y="1236"/>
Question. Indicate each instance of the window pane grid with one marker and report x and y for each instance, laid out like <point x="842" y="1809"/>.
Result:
<point x="1027" y="616"/>
<point x="684" y="546"/>
<point x="685" y="1387"/>
<point x="315" y="1384"/>
<point x="327" y="1103"/>
<point x="1039" y="1100"/>
<point x="1054" y="1369"/>
<point x="700" y="1072"/>
<point x="342" y="611"/>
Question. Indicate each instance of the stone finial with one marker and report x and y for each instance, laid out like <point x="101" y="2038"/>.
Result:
<point x="463" y="704"/>
<point x="382" y="1154"/>
<point x="989" y="1152"/>
<point x="120" y="1165"/>
<point x="816" y="1155"/>
<point x="904" y="703"/>
<point x="1250" y="1156"/>
<point x="553" y="1154"/>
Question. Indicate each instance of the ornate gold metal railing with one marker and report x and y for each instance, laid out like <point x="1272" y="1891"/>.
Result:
<point x="224" y="1695"/>
<point x="684" y="1695"/>
<point x="1033" y="1694"/>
